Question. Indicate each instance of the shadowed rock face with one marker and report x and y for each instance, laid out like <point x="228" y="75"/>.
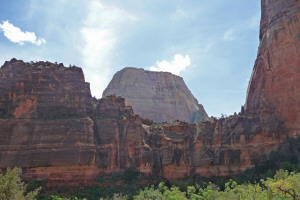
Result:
<point x="54" y="129"/>
<point x="160" y="96"/>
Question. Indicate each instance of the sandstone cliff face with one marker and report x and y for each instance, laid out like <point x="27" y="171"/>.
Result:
<point x="72" y="148"/>
<point x="54" y="129"/>
<point x="43" y="90"/>
<point x="275" y="80"/>
<point x="160" y="96"/>
<point x="213" y="148"/>
<point x="44" y="116"/>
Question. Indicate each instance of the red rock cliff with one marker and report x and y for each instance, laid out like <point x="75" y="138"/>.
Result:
<point x="54" y="129"/>
<point x="275" y="80"/>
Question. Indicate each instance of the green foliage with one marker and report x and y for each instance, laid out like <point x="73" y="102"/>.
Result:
<point x="149" y="193"/>
<point x="158" y="126"/>
<point x="244" y="191"/>
<point x="131" y="175"/>
<point x="211" y="191"/>
<point x="34" y="184"/>
<point x="117" y="197"/>
<point x="127" y="191"/>
<point x="53" y="197"/>
<point x="56" y="197"/>
<point x="161" y="193"/>
<point x="12" y="187"/>
<point x="174" y="194"/>
<point x="191" y="193"/>
<point x="284" y="183"/>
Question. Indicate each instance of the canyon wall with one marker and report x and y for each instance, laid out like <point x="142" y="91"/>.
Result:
<point x="275" y="80"/>
<point x="54" y="129"/>
<point x="160" y="96"/>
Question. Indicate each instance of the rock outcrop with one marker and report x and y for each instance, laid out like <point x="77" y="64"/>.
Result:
<point x="53" y="128"/>
<point x="275" y="80"/>
<point x="44" y="116"/>
<point x="159" y="96"/>
<point x="43" y="90"/>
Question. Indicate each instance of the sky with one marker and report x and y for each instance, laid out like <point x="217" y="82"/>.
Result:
<point x="211" y="44"/>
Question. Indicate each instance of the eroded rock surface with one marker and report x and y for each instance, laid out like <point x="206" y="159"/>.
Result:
<point x="53" y="128"/>
<point x="275" y="80"/>
<point x="43" y="90"/>
<point x="160" y="96"/>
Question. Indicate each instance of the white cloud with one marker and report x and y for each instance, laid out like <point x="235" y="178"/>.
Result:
<point x="177" y="65"/>
<point x="14" y="34"/>
<point x="100" y="33"/>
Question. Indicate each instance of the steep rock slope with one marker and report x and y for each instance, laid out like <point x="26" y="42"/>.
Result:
<point x="275" y="80"/>
<point x="40" y="106"/>
<point x="160" y="96"/>
<point x="54" y="129"/>
<point x="43" y="90"/>
<point x="44" y="116"/>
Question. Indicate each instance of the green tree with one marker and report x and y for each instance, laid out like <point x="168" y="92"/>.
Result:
<point x="12" y="187"/>
<point x="284" y="183"/>
<point x="149" y="193"/>
<point x="53" y="197"/>
<point x="191" y="193"/>
<point x="174" y="194"/>
<point x="245" y="191"/>
<point x="211" y="192"/>
<point x="118" y="197"/>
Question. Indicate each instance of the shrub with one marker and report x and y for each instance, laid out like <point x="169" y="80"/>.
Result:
<point x="12" y="187"/>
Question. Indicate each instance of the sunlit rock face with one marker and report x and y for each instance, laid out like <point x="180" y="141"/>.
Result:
<point x="43" y="90"/>
<point x="275" y="80"/>
<point x="44" y="116"/>
<point x="52" y="127"/>
<point x="160" y="96"/>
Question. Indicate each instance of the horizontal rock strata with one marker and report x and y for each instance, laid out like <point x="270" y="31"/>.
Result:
<point x="53" y="128"/>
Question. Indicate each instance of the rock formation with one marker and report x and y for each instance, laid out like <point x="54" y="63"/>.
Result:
<point x="275" y="80"/>
<point x="54" y="129"/>
<point x="160" y="96"/>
